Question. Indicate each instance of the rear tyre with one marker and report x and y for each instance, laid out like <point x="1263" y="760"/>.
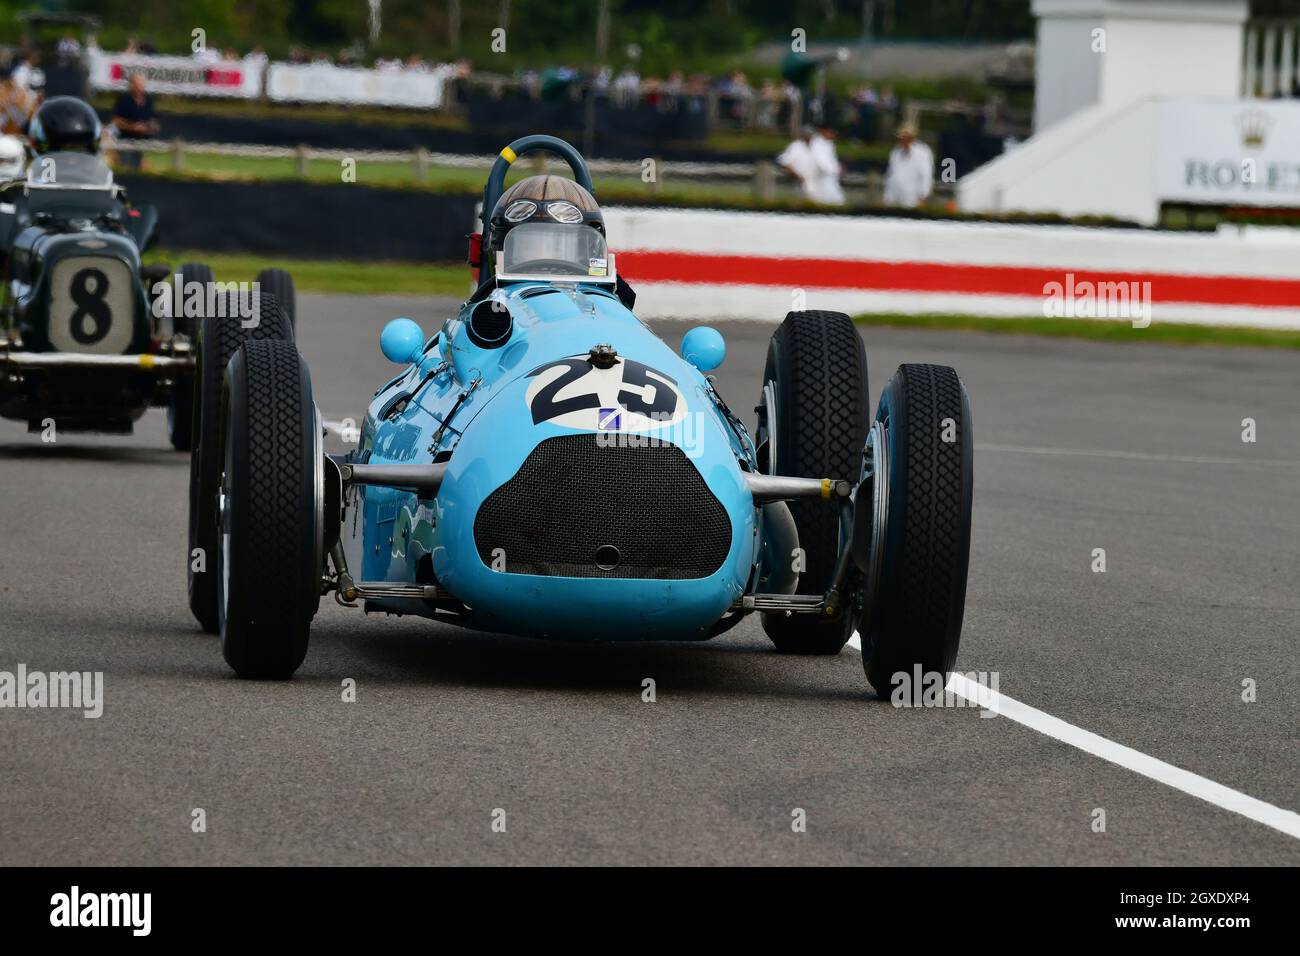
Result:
<point x="180" y="409"/>
<point x="816" y="382"/>
<point x="270" y="559"/>
<point x="279" y="283"/>
<point x="916" y="615"/>
<point x="219" y="337"/>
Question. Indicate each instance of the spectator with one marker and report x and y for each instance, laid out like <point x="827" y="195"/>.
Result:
<point x="24" y="69"/>
<point x="68" y="48"/>
<point x="133" y="118"/>
<point x="889" y="104"/>
<point x="910" y="175"/>
<point x="653" y="92"/>
<point x="257" y="60"/>
<point x="674" y="90"/>
<point x="207" y="56"/>
<point x="627" y="88"/>
<point x="867" y="102"/>
<point x="415" y="64"/>
<point x="828" y="166"/>
<point x="16" y="104"/>
<point x="769" y="102"/>
<point x="801" y="161"/>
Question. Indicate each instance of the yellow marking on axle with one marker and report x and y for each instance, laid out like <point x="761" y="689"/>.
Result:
<point x="146" y="361"/>
<point x="509" y="155"/>
<point x="826" y="489"/>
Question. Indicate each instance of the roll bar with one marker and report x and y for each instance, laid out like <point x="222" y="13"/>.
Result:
<point x="497" y="178"/>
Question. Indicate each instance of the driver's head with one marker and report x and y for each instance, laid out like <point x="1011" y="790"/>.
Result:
<point x="545" y="199"/>
<point x="65" y="123"/>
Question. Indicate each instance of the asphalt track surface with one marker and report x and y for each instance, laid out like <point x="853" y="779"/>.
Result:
<point x="1132" y="448"/>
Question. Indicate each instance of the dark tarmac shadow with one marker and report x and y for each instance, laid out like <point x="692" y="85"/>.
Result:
<point x="427" y="655"/>
<point x="62" y="451"/>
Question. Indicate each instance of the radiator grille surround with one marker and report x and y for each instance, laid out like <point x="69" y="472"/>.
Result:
<point x="586" y="508"/>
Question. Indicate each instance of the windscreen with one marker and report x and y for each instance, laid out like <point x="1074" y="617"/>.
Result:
<point x="552" y="248"/>
<point x="69" y="169"/>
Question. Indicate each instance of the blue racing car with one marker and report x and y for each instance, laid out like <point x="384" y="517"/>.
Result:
<point x="545" y="465"/>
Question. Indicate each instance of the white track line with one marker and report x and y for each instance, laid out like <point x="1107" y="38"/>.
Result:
<point x="1136" y="455"/>
<point x="1285" y="821"/>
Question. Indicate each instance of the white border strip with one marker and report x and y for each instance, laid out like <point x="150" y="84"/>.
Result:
<point x="765" y="303"/>
<point x="1284" y="821"/>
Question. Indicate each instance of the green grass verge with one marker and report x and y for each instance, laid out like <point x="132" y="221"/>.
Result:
<point x="331" y="275"/>
<point x="1164" y="333"/>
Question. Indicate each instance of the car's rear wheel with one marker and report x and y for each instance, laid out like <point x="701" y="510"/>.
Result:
<point x="914" y="617"/>
<point x="814" y="418"/>
<point x="279" y="283"/>
<point x="219" y="337"/>
<point x="180" y="408"/>
<point x="271" y="509"/>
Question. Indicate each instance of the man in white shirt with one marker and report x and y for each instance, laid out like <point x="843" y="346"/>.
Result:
<point x="910" y="176"/>
<point x="815" y="167"/>
<point x="828" y="167"/>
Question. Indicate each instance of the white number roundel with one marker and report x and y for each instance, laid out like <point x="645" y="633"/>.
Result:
<point x="90" y="305"/>
<point x="628" y="396"/>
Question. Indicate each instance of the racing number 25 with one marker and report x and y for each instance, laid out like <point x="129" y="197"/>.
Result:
<point x="649" y="392"/>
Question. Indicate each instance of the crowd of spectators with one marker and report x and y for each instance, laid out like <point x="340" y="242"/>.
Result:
<point x="814" y="118"/>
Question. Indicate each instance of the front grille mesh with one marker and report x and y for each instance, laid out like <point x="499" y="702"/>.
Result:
<point x="574" y="495"/>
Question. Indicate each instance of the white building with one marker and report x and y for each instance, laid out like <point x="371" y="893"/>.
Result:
<point x="1140" y="102"/>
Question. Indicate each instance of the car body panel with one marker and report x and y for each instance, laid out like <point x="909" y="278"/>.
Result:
<point x="499" y="413"/>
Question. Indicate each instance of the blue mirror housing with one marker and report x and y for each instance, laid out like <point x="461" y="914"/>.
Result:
<point x="401" y="341"/>
<point x="704" y="348"/>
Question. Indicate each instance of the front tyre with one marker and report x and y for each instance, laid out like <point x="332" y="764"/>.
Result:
<point x="219" y="338"/>
<point x="813" y="422"/>
<point x="270" y="511"/>
<point x="914" y="618"/>
<point x="279" y="283"/>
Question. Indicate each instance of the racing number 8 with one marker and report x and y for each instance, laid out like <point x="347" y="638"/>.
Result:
<point x="88" y="289"/>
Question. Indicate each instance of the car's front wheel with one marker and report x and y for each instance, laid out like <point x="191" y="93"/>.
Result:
<point x="270" y="506"/>
<point x="219" y="338"/>
<point x="279" y="283"/>
<point x="814" y="418"/>
<point x="914" y="615"/>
